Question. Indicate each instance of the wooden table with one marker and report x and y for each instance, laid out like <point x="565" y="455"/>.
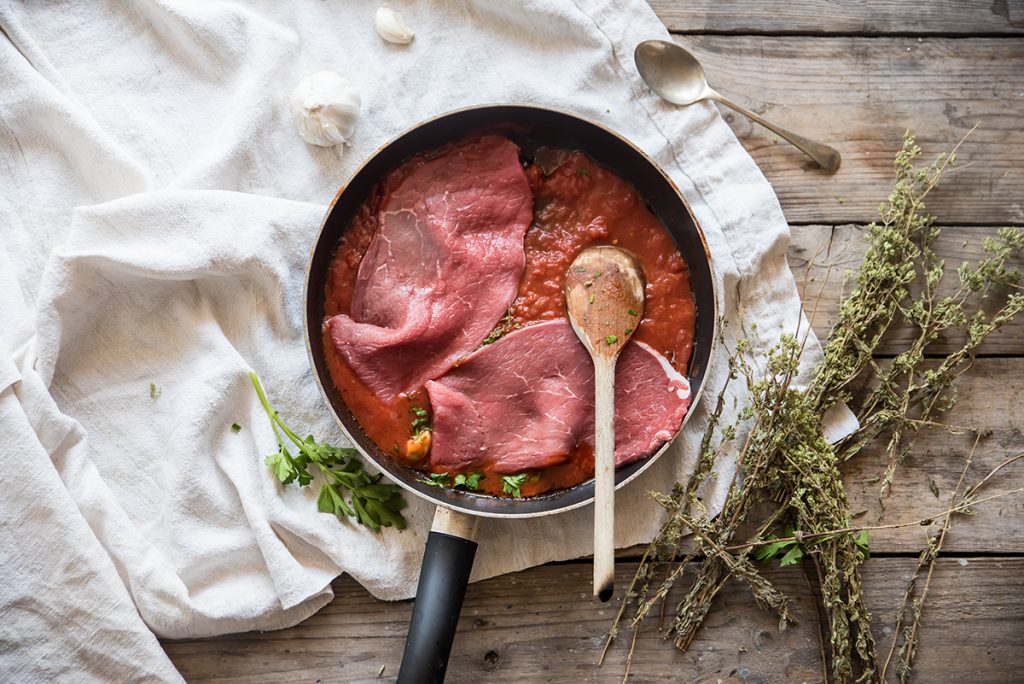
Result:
<point x="855" y="74"/>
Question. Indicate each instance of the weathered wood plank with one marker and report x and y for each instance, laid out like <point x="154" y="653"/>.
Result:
<point x="541" y="625"/>
<point x="822" y="256"/>
<point x="987" y="401"/>
<point x="861" y="94"/>
<point x="871" y="17"/>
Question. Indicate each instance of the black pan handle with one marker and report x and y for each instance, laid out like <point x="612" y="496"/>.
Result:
<point x="447" y="562"/>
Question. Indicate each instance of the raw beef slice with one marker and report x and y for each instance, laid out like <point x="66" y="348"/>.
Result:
<point x="526" y="401"/>
<point x="442" y="269"/>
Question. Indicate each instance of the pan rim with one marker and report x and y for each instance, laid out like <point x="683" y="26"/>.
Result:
<point x="469" y="509"/>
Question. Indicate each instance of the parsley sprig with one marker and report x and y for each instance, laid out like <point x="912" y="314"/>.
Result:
<point x="371" y="502"/>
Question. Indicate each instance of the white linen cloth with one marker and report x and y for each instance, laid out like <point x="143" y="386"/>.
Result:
<point x="157" y="207"/>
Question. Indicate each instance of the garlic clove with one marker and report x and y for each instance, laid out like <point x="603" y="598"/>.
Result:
<point x="391" y="26"/>
<point x="325" y="107"/>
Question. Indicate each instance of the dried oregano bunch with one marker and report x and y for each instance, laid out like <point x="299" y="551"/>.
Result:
<point x="788" y="496"/>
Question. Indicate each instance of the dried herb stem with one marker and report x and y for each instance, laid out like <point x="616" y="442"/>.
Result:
<point x="927" y="559"/>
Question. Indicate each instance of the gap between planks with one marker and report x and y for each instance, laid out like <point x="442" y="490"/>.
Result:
<point x="839" y="17"/>
<point x="843" y="34"/>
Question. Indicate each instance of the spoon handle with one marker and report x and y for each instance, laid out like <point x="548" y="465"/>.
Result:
<point x="604" y="477"/>
<point x="827" y="157"/>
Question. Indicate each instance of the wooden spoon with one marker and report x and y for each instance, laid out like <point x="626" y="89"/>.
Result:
<point x="604" y="297"/>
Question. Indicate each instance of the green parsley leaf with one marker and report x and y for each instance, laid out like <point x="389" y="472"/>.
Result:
<point x="282" y="467"/>
<point x="235" y="427"/>
<point x="468" y="480"/>
<point x="611" y="339"/>
<point x="769" y="551"/>
<point x="421" y="422"/>
<point x="632" y="312"/>
<point x="510" y="484"/>
<point x="465" y="480"/>
<point x="371" y="502"/>
<point x="792" y="557"/>
<point x="861" y="540"/>
<point x="437" y="479"/>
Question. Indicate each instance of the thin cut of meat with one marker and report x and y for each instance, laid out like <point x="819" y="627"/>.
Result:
<point x="442" y="269"/>
<point x="527" y="401"/>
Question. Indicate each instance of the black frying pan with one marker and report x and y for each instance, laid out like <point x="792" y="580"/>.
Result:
<point x="451" y="544"/>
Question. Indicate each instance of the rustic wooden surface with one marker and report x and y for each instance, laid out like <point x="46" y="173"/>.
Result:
<point x="860" y="95"/>
<point x="855" y="75"/>
<point x="542" y="625"/>
<point x="840" y="17"/>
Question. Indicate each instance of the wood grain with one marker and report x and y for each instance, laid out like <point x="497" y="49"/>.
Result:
<point x="988" y="402"/>
<point x="541" y="625"/>
<point x="868" y="17"/>
<point x="823" y="256"/>
<point x="860" y="95"/>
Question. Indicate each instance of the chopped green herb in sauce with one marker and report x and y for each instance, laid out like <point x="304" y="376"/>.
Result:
<point x="469" y="480"/>
<point x="611" y="339"/>
<point x="437" y="480"/>
<point x="465" y="480"/>
<point x="421" y="422"/>
<point x="632" y="312"/>
<point x="235" y="427"/>
<point x="590" y="299"/>
<point x="510" y="484"/>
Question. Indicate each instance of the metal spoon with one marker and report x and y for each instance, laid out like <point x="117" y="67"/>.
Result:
<point x="604" y="297"/>
<point x="677" y="76"/>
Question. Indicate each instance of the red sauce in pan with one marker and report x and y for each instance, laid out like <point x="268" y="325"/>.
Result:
<point x="578" y="205"/>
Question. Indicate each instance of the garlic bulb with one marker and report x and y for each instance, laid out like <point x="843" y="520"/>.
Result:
<point x="391" y="26"/>
<point x="324" y="107"/>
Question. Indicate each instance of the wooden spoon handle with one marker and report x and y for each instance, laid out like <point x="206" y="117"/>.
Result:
<point x="604" y="477"/>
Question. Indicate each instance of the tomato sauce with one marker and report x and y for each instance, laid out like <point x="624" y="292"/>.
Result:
<point x="577" y="204"/>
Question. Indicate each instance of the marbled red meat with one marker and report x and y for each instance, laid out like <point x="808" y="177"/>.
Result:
<point x="441" y="270"/>
<point x="526" y="402"/>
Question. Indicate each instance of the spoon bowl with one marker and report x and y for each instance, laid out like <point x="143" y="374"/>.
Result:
<point x="673" y="73"/>
<point x="676" y="76"/>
